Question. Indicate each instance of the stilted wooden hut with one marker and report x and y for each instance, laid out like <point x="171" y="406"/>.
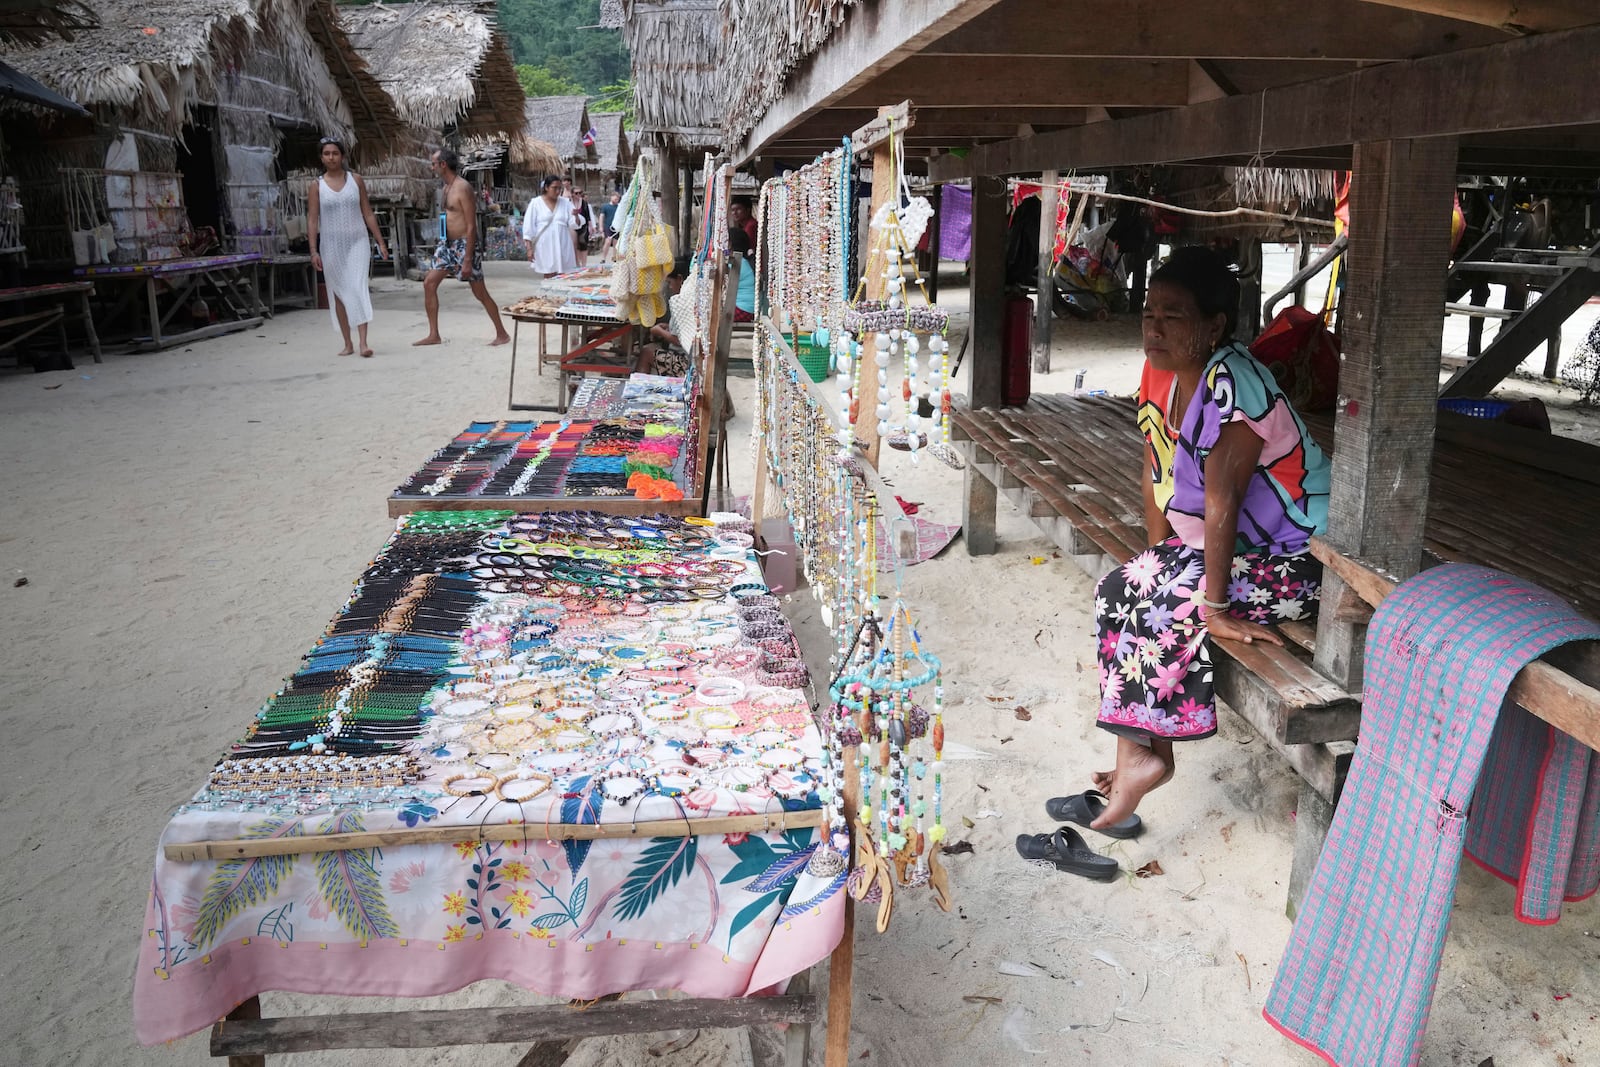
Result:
<point x="564" y="122"/>
<point x="196" y="105"/>
<point x="449" y="71"/>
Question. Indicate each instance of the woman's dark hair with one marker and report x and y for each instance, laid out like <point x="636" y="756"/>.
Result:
<point x="738" y="240"/>
<point x="1201" y="271"/>
<point x="547" y="181"/>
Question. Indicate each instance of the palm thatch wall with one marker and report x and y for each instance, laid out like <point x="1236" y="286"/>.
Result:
<point x="446" y="65"/>
<point x="676" y="50"/>
<point x="763" y="40"/>
<point x="30" y="22"/>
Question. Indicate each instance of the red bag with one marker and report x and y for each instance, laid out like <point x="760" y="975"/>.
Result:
<point x="1303" y="355"/>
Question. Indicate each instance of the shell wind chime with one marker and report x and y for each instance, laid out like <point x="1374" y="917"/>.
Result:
<point x="892" y="332"/>
<point x="898" y="767"/>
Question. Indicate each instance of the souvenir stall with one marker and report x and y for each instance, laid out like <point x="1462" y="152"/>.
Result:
<point x="573" y="305"/>
<point x="627" y="446"/>
<point x="419" y="806"/>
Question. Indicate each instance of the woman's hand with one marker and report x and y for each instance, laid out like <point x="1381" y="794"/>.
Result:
<point x="1223" y="625"/>
<point x="383" y="250"/>
<point x="316" y="260"/>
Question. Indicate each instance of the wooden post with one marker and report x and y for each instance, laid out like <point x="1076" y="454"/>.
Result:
<point x="1388" y="383"/>
<point x="988" y="290"/>
<point x="666" y="173"/>
<point x="247" y="1009"/>
<point x="841" y="964"/>
<point x="883" y="191"/>
<point x="688" y="238"/>
<point x="1043" y="307"/>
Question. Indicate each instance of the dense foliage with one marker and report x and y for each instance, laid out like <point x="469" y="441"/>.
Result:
<point x="562" y="39"/>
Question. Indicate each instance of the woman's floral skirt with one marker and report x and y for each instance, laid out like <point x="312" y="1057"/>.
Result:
<point x="1154" y="652"/>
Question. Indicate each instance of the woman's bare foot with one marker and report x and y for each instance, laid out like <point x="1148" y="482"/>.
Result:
<point x="346" y="351"/>
<point x="431" y="339"/>
<point x="366" y="353"/>
<point x="503" y="339"/>
<point x="1139" y="770"/>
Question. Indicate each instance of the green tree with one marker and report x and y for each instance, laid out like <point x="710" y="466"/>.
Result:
<point x="537" y="81"/>
<point x="618" y="96"/>
<point x="564" y="37"/>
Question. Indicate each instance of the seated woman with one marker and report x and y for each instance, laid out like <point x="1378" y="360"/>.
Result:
<point x="744" y="301"/>
<point x="665" y="354"/>
<point x="1233" y="490"/>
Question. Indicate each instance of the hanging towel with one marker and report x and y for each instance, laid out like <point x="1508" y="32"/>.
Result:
<point x="1357" y="978"/>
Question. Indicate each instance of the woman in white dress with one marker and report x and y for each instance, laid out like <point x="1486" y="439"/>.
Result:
<point x="340" y="218"/>
<point x="547" y="229"/>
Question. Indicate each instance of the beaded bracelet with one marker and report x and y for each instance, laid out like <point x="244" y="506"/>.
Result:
<point x="450" y="786"/>
<point x="543" y="781"/>
<point x="720" y="691"/>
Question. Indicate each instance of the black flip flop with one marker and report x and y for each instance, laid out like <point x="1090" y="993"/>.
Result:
<point x="1084" y="808"/>
<point x="1067" y="849"/>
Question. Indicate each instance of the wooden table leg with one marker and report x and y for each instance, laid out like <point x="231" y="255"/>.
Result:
<point x="797" y="1039"/>
<point x="88" y="328"/>
<point x="250" y="1009"/>
<point x="155" y="310"/>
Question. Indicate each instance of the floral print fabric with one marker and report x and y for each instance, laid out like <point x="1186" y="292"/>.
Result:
<point x="1154" y="654"/>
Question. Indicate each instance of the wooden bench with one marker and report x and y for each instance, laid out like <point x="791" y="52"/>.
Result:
<point x="1511" y="499"/>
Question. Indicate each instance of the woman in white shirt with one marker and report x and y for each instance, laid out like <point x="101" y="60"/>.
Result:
<point x="547" y="229"/>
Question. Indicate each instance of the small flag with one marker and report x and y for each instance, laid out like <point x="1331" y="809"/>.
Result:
<point x="588" y="138"/>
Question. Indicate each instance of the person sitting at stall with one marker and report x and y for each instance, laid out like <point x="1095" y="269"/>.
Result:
<point x="740" y="218"/>
<point x="666" y="354"/>
<point x="744" y="301"/>
<point x="547" y="230"/>
<point x="1234" y="489"/>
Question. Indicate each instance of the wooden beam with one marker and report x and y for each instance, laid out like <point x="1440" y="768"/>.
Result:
<point x="975" y="81"/>
<point x="1512" y="16"/>
<point x="1210" y="29"/>
<point x="241" y="848"/>
<point x="838" y="119"/>
<point x="873" y="38"/>
<point x="1562" y="695"/>
<point x="1393" y="316"/>
<point x="987" y="304"/>
<point x="498" y="1026"/>
<point x="1519" y="84"/>
<point x="889" y="121"/>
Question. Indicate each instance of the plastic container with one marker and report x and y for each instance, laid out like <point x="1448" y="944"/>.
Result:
<point x="1481" y="408"/>
<point x="813" y="357"/>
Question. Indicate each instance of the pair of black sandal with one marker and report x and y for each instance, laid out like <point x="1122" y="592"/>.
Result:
<point x="1066" y="849"/>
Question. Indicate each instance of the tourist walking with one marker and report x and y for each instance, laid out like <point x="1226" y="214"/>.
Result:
<point x="339" y="220"/>
<point x="459" y="251"/>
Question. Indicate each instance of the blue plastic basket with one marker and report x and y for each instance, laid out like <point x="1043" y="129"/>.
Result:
<point x="1481" y="408"/>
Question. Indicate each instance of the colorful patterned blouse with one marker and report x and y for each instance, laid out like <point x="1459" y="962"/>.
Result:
<point x="1287" y="498"/>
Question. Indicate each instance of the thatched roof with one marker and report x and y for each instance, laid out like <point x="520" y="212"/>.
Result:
<point x="30" y="22"/>
<point x="152" y="61"/>
<point x="445" y="64"/>
<point x="772" y="37"/>
<point x="527" y="156"/>
<point x="561" y="121"/>
<point x="611" y="147"/>
<point x="676" y="57"/>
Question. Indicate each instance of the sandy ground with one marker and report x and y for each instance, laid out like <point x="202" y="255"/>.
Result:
<point x="188" y="521"/>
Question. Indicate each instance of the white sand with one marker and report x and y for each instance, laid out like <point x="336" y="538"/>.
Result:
<point x="189" y="520"/>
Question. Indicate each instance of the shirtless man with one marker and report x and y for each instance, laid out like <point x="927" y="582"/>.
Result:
<point x="460" y="253"/>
